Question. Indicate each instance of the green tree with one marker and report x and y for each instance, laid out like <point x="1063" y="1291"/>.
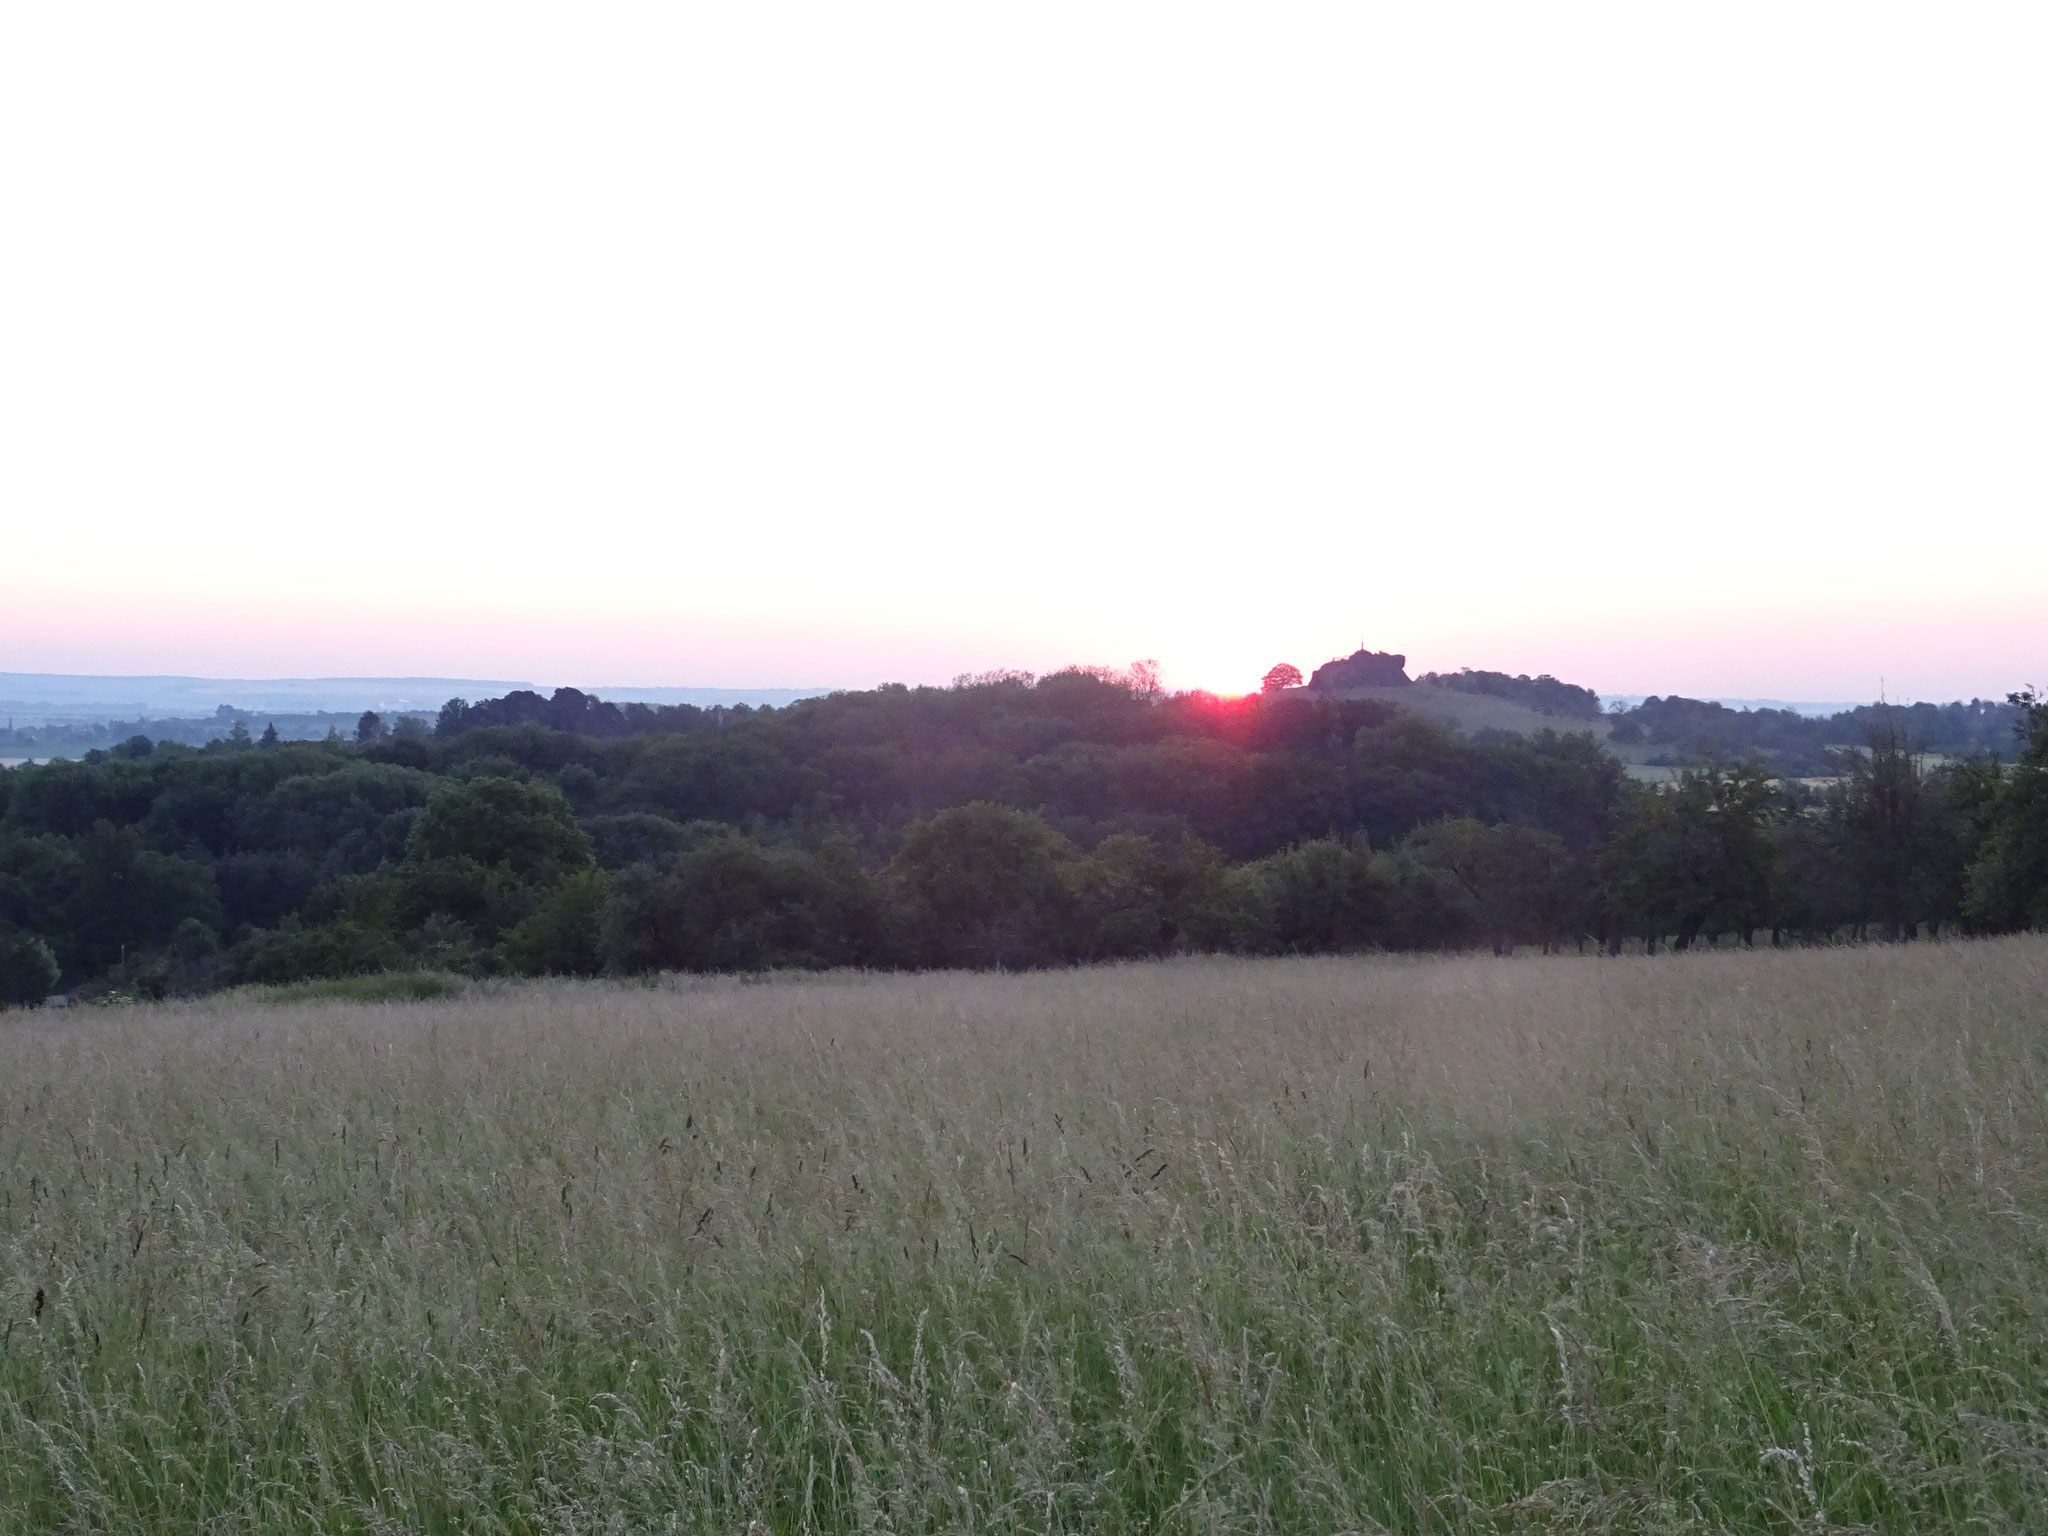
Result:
<point x="640" y="837"/>
<point x="369" y="728"/>
<point x="981" y="884"/>
<point x="328" y="952"/>
<point x="1695" y="856"/>
<point x="731" y="904"/>
<point x="2008" y="881"/>
<point x="1517" y="878"/>
<point x="1324" y="896"/>
<point x="28" y="969"/>
<point x="500" y="823"/>
<point x="1900" y="848"/>
<point x="563" y="936"/>
<point x="488" y="853"/>
<point x="1135" y="896"/>
<point x="647" y="922"/>
<point x="123" y="895"/>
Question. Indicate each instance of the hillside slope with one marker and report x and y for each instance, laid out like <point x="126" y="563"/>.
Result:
<point x="1472" y="712"/>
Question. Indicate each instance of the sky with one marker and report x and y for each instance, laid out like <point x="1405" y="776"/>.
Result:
<point x="1665" y="349"/>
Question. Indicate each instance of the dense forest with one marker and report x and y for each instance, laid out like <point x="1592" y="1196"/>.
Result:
<point x="1005" y="821"/>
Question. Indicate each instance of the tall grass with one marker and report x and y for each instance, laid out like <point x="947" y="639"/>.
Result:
<point x="1717" y="1242"/>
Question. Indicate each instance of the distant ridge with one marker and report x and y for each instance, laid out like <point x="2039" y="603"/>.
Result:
<point x="40" y="698"/>
<point x="704" y="698"/>
<point x="50" y="698"/>
<point x="1818" y="708"/>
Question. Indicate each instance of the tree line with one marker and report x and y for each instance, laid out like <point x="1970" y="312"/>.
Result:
<point x="1005" y="821"/>
<point x="1808" y="745"/>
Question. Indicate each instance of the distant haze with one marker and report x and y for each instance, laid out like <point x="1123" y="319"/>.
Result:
<point x="1661" y="348"/>
<point x="1819" y="708"/>
<point x="32" y="698"/>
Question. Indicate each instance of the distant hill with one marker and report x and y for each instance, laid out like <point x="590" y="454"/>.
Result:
<point x="708" y="698"/>
<point x="50" y="698"/>
<point x="1819" y="709"/>
<point x="43" y="698"/>
<point x="1545" y="694"/>
<point x="1467" y="701"/>
<point x="1364" y="673"/>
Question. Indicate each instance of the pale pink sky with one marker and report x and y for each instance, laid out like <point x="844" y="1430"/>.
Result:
<point x="1693" y="352"/>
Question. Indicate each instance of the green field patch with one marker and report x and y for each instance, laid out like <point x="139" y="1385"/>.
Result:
<point x="378" y="987"/>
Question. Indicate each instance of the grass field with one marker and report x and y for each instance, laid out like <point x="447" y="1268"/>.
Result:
<point x="1475" y="712"/>
<point x="1713" y="1242"/>
<point x="1472" y="713"/>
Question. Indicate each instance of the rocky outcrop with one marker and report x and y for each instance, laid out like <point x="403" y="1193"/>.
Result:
<point x="1361" y="669"/>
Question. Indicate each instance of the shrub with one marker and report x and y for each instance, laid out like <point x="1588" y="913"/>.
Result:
<point x="563" y="937"/>
<point x="733" y="905"/>
<point x="336" y="950"/>
<point x="981" y="884"/>
<point x="378" y="987"/>
<point x="28" y="970"/>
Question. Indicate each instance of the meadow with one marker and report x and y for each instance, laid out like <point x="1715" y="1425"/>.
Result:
<point x="1476" y="712"/>
<point x="1722" y="1241"/>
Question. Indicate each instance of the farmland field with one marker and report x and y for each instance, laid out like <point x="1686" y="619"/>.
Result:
<point x="1729" y="1241"/>
<point x="1474" y="712"/>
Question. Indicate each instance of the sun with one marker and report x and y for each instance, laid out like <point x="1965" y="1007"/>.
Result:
<point x="1222" y="669"/>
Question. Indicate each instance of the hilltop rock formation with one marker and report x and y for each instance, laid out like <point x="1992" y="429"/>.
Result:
<point x="1361" y="669"/>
